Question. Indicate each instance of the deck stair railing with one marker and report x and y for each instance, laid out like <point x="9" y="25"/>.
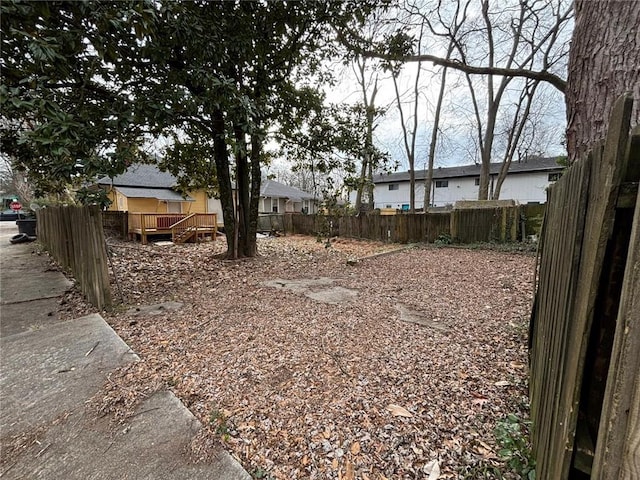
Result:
<point x="184" y="229"/>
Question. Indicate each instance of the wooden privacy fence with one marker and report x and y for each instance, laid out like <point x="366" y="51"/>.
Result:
<point x="485" y="224"/>
<point x="585" y="325"/>
<point x="465" y="225"/>
<point x="271" y="222"/>
<point x="405" y="228"/>
<point x="75" y="239"/>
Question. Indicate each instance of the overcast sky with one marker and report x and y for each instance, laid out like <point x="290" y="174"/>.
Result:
<point x="454" y="146"/>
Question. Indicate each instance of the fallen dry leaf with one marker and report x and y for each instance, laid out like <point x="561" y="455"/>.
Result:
<point x="398" y="411"/>
<point x="433" y="469"/>
<point x="355" y="448"/>
<point x="349" y="472"/>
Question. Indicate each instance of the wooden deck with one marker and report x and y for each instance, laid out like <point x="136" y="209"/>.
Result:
<point x="183" y="227"/>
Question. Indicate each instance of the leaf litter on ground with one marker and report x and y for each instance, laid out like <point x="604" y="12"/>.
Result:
<point x="301" y="389"/>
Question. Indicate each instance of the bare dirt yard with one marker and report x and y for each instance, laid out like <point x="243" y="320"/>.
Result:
<point x="395" y="367"/>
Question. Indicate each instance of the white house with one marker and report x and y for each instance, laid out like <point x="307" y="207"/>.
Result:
<point x="276" y="197"/>
<point x="526" y="182"/>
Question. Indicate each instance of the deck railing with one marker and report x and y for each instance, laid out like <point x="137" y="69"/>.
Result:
<point x="184" y="228"/>
<point x="177" y="224"/>
<point x="145" y="222"/>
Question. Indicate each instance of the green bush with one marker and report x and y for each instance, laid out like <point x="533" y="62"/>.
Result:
<point x="444" y="239"/>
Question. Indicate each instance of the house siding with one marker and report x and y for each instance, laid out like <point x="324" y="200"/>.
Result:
<point x="146" y="205"/>
<point x="464" y="188"/>
<point x="284" y="205"/>
<point x="525" y="187"/>
<point x="385" y="198"/>
<point x="120" y="202"/>
<point x="214" y="205"/>
<point x="200" y="205"/>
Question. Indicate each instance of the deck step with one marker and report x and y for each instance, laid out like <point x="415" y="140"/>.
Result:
<point x="185" y="235"/>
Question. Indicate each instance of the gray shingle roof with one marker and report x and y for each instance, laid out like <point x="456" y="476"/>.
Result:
<point x="537" y="164"/>
<point x="141" y="175"/>
<point x="271" y="188"/>
<point x="165" y="194"/>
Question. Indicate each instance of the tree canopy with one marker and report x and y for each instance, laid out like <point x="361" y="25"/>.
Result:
<point x="86" y="85"/>
<point x="67" y="113"/>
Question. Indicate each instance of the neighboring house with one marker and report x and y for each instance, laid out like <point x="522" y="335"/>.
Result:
<point x="146" y="189"/>
<point x="526" y="182"/>
<point x="276" y="197"/>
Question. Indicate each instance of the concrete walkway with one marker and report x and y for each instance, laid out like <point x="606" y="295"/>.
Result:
<point x="48" y="371"/>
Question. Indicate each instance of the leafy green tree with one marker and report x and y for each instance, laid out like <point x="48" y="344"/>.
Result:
<point x="223" y="77"/>
<point x="332" y="140"/>
<point x="85" y="84"/>
<point x="66" y="112"/>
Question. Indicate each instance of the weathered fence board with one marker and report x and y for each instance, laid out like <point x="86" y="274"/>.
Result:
<point x="563" y="230"/>
<point x="489" y="224"/>
<point x="75" y="239"/>
<point x="271" y="222"/>
<point x="467" y="225"/>
<point x="574" y="286"/>
<point x="404" y="228"/>
<point x="620" y="420"/>
<point x="618" y="444"/>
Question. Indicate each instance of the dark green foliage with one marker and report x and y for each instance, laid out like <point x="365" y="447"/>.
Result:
<point x="86" y="84"/>
<point x="65" y="114"/>
<point x="93" y="196"/>
<point x="444" y="239"/>
<point x="512" y="437"/>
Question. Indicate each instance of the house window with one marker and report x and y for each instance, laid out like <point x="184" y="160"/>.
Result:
<point x="394" y="186"/>
<point x="387" y="206"/>
<point x="477" y="181"/>
<point x="442" y="183"/>
<point x="553" y="177"/>
<point x="274" y="207"/>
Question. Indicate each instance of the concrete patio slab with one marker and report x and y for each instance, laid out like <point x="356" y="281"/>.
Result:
<point x="319" y="289"/>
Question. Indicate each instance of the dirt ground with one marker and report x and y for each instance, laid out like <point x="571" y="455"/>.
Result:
<point x="403" y="374"/>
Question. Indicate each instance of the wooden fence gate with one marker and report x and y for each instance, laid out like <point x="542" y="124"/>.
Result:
<point x="585" y="325"/>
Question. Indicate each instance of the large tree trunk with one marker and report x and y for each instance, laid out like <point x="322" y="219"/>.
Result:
<point x="251" y="248"/>
<point x="370" y="201"/>
<point x="604" y="63"/>
<point x="246" y="244"/>
<point x="361" y="182"/>
<point x="368" y="148"/>
<point x="225" y="188"/>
